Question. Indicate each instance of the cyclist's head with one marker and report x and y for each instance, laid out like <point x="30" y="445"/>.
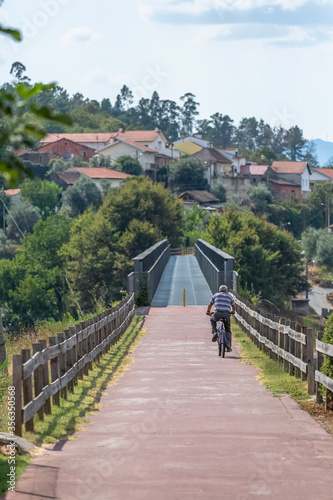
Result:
<point x="223" y="288"/>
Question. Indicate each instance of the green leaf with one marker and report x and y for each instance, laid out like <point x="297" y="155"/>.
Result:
<point x="13" y="33"/>
<point x="36" y="132"/>
<point x="48" y="114"/>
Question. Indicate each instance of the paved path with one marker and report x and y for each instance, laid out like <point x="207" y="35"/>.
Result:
<point x="184" y="424"/>
<point x="182" y="272"/>
<point x="317" y="297"/>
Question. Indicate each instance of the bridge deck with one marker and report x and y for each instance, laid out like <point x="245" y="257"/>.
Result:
<point x="182" y="272"/>
<point x="185" y="424"/>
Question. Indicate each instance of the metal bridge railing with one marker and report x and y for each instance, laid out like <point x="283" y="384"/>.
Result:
<point x="216" y="266"/>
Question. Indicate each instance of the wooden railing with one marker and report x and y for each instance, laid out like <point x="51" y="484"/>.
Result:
<point x="320" y="378"/>
<point x="283" y="340"/>
<point x="68" y="358"/>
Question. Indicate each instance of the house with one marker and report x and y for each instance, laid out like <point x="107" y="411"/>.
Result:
<point x="36" y="157"/>
<point x="64" y="179"/>
<point x="192" y="144"/>
<point x="255" y="172"/>
<point x="97" y="175"/>
<point x="202" y="198"/>
<point x="150" y="159"/>
<point x="321" y="175"/>
<point x="92" y="140"/>
<point x="237" y="160"/>
<point x="67" y="149"/>
<point x="96" y="141"/>
<point x="14" y="194"/>
<point x="289" y="178"/>
<point x="216" y="163"/>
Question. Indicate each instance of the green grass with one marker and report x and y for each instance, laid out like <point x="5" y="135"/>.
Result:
<point x="72" y="413"/>
<point x="20" y="463"/>
<point x="271" y="373"/>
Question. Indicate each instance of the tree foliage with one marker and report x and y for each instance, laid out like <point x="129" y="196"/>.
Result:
<point x="21" y="219"/>
<point x="83" y="194"/>
<point x="131" y="219"/>
<point x="42" y="194"/>
<point x="128" y="165"/>
<point x="260" y="196"/>
<point x="187" y="173"/>
<point x="269" y="259"/>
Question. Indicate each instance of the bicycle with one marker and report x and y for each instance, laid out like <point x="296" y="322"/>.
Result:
<point x="222" y="340"/>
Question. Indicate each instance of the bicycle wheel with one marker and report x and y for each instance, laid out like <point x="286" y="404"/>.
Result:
<point x="223" y="345"/>
<point x="219" y="347"/>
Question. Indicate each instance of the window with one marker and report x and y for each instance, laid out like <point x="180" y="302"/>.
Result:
<point x="66" y="155"/>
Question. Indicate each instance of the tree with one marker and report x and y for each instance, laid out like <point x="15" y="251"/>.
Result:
<point x="188" y="113"/>
<point x="321" y="199"/>
<point x="130" y="220"/>
<point x="42" y="194"/>
<point x="21" y="219"/>
<point x="222" y="130"/>
<point x="106" y="106"/>
<point x="17" y="71"/>
<point x="310" y="154"/>
<point x="247" y="133"/>
<point x="261" y="252"/>
<point x="81" y="195"/>
<point x="295" y="143"/>
<point x="128" y="165"/>
<point x="318" y="246"/>
<point x="260" y="196"/>
<point x="187" y="173"/>
<point x="219" y="191"/>
<point x="32" y="284"/>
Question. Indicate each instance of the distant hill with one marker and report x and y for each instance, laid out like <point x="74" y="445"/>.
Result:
<point x="324" y="150"/>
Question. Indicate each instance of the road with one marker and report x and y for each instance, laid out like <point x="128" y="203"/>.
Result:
<point x="317" y="297"/>
<point x="184" y="424"/>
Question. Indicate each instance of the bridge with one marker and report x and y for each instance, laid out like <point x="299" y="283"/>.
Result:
<point x="167" y="276"/>
<point x="183" y="423"/>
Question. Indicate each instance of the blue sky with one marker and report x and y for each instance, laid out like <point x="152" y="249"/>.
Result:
<point x="266" y="58"/>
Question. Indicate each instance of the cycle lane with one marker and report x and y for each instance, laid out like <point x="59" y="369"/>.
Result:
<point x="183" y="423"/>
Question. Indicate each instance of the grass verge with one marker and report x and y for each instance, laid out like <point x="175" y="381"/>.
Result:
<point x="271" y="374"/>
<point x="277" y="381"/>
<point x="71" y="416"/>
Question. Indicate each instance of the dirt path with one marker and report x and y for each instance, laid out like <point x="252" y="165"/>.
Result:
<point x="185" y="424"/>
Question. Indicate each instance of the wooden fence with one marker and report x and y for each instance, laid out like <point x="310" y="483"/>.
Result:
<point x="68" y="358"/>
<point x="289" y="343"/>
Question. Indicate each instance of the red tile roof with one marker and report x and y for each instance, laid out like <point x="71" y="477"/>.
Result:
<point x="101" y="173"/>
<point x="130" y="135"/>
<point x="258" y="169"/>
<point x="12" y="192"/>
<point x="325" y="171"/>
<point x="136" y="144"/>
<point x="91" y="137"/>
<point x="289" y="167"/>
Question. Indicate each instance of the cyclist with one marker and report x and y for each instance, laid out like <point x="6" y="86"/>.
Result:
<point x="224" y="305"/>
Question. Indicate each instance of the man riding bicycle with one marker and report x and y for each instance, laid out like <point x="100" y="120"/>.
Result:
<point x="224" y="305"/>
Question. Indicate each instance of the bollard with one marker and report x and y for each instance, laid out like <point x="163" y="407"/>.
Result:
<point x="184" y="297"/>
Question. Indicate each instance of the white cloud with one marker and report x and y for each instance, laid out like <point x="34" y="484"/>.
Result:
<point x="98" y="74"/>
<point x="149" y="7"/>
<point x="80" y="35"/>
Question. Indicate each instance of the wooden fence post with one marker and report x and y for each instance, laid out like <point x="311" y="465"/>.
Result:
<point x="27" y="389"/>
<point x="54" y="364"/>
<point x="69" y="361"/>
<point x="309" y="359"/>
<point x="38" y="379"/>
<point x="17" y="383"/>
<point x="286" y="364"/>
<point x="292" y="349"/>
<point x="62" y="365"/>
<point x="45" y="372"/>
<point x="298" y="351"/>
<point x="319" y="363"/>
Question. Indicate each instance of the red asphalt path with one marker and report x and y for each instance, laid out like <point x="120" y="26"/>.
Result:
<point x="185" y="424"/>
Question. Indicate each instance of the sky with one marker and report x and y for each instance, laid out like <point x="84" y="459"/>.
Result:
<point x="272" y="59"/>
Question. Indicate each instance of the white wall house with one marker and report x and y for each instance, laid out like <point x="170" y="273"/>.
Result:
<point x="321" y="175"/>
<point x="120" y="147"/>
<point x="295" y="171"/>
<point x="97" y="175"/>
